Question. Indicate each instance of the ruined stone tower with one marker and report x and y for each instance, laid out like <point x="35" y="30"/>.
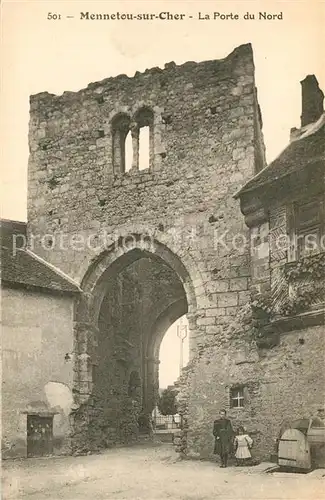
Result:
<point x="145" y="245"/>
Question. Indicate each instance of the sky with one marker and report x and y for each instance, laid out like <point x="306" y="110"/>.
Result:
<point x="169" y="354"/>
<point x="40" y="54"/>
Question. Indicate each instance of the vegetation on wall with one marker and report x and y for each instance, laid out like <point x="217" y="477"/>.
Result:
<point x="312" y="266"/>
<point x="300" y="301"/>
<point x="262" y="309"/>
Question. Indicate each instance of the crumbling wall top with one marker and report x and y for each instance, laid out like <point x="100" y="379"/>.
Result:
<point x="222" y="68"/>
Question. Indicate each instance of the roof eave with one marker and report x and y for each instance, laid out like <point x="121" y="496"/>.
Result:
<point x="7" y="283"/>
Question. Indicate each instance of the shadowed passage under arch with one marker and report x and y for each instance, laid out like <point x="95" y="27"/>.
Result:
<point x="130" y="303"/>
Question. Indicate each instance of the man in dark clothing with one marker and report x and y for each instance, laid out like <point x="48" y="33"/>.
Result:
<point x="224" y="435"/>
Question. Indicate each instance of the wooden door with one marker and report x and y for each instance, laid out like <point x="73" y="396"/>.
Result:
<point x="294" y="450"/>
<point x="39" y="436"/>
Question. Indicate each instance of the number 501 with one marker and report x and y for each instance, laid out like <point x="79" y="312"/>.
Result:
<point x="55" y="17"/>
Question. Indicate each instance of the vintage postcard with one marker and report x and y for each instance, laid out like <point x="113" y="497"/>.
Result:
<point x="163" y="249"/>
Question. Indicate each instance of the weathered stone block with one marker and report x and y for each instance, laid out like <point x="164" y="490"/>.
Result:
<point x="221" y="285"/>
<point x="205" y="321"/>
<point x="238" y="284"/>
<point x="215" y="311"/>
<point x="228" y="299"/>
<point x="243" y="298"/>
<point x="212" y="330"/>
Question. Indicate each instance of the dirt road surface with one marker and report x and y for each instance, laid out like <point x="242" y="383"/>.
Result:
<point x="150" y="472"/>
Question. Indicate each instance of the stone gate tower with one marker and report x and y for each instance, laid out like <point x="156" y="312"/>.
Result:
<point x="145" y="245"/>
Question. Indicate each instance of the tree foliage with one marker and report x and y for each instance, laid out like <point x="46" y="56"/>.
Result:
<point x="167" y="402"/>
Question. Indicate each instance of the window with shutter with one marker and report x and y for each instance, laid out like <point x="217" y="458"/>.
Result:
<point x="308" y="230"/>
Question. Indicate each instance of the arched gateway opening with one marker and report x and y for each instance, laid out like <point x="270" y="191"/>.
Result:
<point x="133" y="292"/>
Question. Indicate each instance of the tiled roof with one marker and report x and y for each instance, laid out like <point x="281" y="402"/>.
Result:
<point x="9" y="228"/>
<point x="23" y="268"/>
<point x="301" y="153"/>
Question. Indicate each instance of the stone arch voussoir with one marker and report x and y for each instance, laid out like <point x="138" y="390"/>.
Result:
<point x="127" y="248"/>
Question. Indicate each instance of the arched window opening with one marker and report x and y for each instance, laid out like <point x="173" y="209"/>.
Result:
<point x="144" y="148"/>
<point x="120" y="131"/>
<point x="128" y="153"/>
<point x="144" y="120"/>
<point x="133" y="142"/>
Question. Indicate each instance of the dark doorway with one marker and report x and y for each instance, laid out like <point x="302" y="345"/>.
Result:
<point x="39" y="436"/>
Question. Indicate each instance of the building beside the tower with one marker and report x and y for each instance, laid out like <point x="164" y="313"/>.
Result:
<point x="37" y="323"/>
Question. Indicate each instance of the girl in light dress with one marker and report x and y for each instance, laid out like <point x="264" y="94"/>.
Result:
<point x="243" y="443"/>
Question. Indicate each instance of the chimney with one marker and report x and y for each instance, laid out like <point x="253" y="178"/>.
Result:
<point x="312" y="100"/>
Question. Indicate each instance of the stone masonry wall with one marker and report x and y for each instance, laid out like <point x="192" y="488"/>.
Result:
<point x="204" y="149"/>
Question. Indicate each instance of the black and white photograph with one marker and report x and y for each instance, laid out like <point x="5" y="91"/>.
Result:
<point x="163" y="250"/>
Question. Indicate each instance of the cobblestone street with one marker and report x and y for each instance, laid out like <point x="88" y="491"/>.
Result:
<point x="150" y="472"/>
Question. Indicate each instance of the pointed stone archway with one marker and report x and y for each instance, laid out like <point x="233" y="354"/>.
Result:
<point x="132" y="293"/>
<point x="158" y="330"/>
